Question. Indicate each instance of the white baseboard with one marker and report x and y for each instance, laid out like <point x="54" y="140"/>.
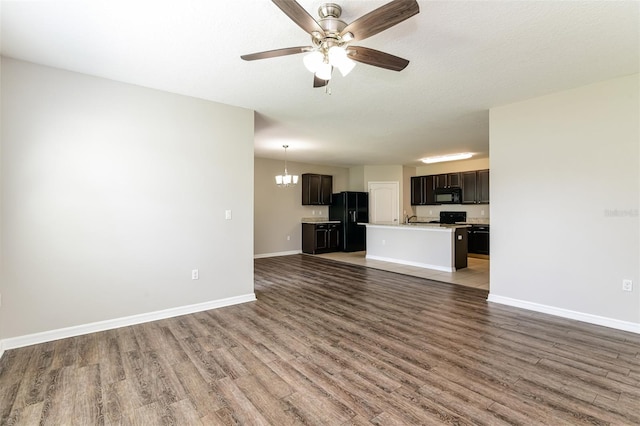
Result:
<point x="280" y="253"/>
<point x="566" y="313"/>
<point x="63" y="333"/>
<point x="409" y="263"/>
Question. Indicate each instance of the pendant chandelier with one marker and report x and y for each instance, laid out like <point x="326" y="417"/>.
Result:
<point x="286" y="179"/>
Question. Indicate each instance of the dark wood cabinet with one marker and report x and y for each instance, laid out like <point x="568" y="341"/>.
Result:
<point x="475" y="187"/>
<point x="482" y="187"/>
<point x="461" y="247"/>
<point x="316" y="189"/>
<point x="479" y="239"/>
<point x="320" y="237"/>
<point x="469" y="184"/>
<point x="422" y="190"/>
<point x="447" y="180"/>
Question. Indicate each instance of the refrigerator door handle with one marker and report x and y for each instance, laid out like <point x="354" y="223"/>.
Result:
<point x="353" y="215"/>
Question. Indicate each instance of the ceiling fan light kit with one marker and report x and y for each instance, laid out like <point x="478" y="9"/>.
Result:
<point x="330" y="38"/>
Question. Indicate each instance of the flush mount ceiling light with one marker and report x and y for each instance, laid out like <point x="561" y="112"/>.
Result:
<point x="450" y="157"/>
<point x="330" y="38"/>
<point x="286" y="179"/>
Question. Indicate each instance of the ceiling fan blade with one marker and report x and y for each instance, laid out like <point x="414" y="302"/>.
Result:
<point x="318" y="82"/>
<point x="297" y="14"/>
<point x="381" y="18"/>
<point x="376" y="58"/>
<point x="277" y="52"/>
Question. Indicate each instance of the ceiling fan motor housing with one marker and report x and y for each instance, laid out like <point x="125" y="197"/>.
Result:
<point x="332" y="26"/>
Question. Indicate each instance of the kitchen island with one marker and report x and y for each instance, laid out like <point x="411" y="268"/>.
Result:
<point x="434" y="246"/>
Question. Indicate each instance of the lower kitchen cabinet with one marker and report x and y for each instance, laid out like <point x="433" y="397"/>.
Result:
<point x="320" y="237"/>
<point x="461" y="248"/>
<point x="479" y="239"/>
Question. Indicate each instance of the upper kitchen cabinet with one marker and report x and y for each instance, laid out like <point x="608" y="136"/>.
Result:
<point x="475" y="187"/>
<point x="316" y="189"/>
<point x="482" y="187"/>
<point x="422" y="190"/>
<point x="447" y="180"/>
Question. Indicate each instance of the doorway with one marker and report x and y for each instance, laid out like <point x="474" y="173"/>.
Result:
<point x="384" y="202"/>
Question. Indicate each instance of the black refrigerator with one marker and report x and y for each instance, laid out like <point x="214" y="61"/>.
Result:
<point x="351" y="208"/>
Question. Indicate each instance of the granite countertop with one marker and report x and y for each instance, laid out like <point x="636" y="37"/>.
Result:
<point x="318" y="220"/>
<point x="418" y="225"/>
<point x="470" y="220"/>
<point x="437" y="225"/>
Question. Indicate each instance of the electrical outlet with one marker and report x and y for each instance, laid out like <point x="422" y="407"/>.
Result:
<point x="195" y="275"/>
<point x="384" y="242"/>
<point x="288" y="237"/>
<point x="627" y="285"/>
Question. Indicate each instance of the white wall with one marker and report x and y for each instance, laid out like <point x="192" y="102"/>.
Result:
<point x="279" y="211"/>
<point x="565" y="188"/>
<point x="111" y="194"/>
<point x="1" y="245"/>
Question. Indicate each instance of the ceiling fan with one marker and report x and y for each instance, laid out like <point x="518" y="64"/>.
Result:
<point x="330" y="38"/>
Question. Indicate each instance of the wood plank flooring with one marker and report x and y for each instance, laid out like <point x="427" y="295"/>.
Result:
<point x="333" y="344"/>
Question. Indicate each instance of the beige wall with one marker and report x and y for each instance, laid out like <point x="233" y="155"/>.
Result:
<point x="479" y="213"/>
<point x="111" y="194"/>
<point x="278" y="211"/>
<point x="407" y="208"/>
<point x="356" y="179"/>
<point x="453" y="166"/>
<point x="475" y="213"/>
<point x="388" y="173"/>
<point x="565" y="192"/>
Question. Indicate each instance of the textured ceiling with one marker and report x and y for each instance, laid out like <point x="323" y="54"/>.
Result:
<point x="466" y="57"/>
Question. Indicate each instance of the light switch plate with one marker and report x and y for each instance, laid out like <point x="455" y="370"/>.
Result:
<point x="227" y="214"/>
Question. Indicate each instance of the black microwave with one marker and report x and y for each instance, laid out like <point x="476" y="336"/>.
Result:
<point x="451" y="195"/>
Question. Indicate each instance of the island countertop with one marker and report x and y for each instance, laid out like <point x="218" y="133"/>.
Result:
<point x="445" y="227"/>
<point x="436" y="246"/>
<point x="317" y="220"/>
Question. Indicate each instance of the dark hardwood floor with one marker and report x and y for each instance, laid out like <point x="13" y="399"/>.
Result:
<point x="333" y="344"/>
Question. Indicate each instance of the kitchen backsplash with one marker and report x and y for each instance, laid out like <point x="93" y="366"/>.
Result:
<point x="476" y="213"/>
<point x="314" y="219"/>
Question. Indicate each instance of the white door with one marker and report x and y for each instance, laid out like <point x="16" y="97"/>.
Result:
<point x="384" y="202"/>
